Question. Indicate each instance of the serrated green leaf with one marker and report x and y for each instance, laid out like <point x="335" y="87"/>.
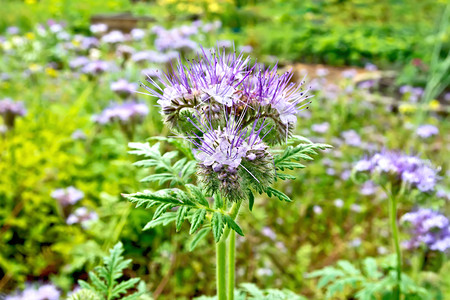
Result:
<point x="200" y="235"/>
<point x="217" y="225"/>
<point x="197" y="220"/>
<point x="197" y="194"/>
<point x="181" y="214"/>
<point x="280" y="195"/>
<point x="160" y="210"/>
<point x="371" y="269"/>
<point x="165" y="219"/>
<point x="233" y="225"/>
<point x="251" y="200"/>
<point x="348" y="267"/>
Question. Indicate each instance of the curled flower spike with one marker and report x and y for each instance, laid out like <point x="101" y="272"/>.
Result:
<point x="217" y="83"/>
<point x="232" y="159"/>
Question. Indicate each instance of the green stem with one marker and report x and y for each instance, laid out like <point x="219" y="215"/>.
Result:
<point x="221" y="270"/>
<point x="231" y="264"/>
<point x="394" y="229"/>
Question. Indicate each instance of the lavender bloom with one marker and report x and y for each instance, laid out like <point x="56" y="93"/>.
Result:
<point x="89" y="42"/>
<point x="124" y="88"/>
<point x="321" y="128"/>
<point x="231" y="158"/>
<point x="338" y="203"/>
<point x="113" y="37"/>
<point x="268" y="232"/>
<point x="217" y="80"/>
<point x="317" y="209"/>
<point x="399" y="168"/>
<point x="67" y="196"/>
<point x="44" y="292"/>
<point x="224" y="44"/>
<point x="10" y="109"/>
<point x="351" y="138"/>
<point x="426" y="131"/>
<point x="82" y="216"/>
<point x="349" y="74"/>
<point x="137" y="34"/>
<point x="98" y="28"/>
<point x="368" y="188"/>
<point x="246" y="49"/>
<point x="367" y="84"/>
<point x="78" y="135"/>
<point x="126" y="112"/>
<point x="322" y="72"/>
<point x="94" y="68"/>
<point x="78" y="62"/>
<point x="428" y="228"/>
<point x="13" y="30"/>
<point x="370" y="67"/>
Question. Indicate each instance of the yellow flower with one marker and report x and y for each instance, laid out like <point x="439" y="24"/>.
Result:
<point x="406" y="108"/>
<point x="34" y="67"/>
<point x="434" y="104"/>
<point x="30" y="35"/>
<point x="51" y="72"/>
<point x="29" y="2"/>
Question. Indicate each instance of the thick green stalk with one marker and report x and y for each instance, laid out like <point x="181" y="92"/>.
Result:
<point x="231" y="264"/>
<point x="221" y="263"/>
<point x="394" y="230"/>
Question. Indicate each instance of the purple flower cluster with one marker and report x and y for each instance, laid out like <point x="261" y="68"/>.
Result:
<point x="398" y="168"/>
<point x="426" y="131"/>
<point x="217" y="82"/>
<point x="413" y="94"/>
<point x="229" y="156"/>
<point x="67" y="196"/>
<point x="43" y="292"/>
<point x="123" y="88"/>
<point x="82" y="216"/>
<point x="125" y="112"/>
<point x="10" y="109"/>
<point x="428" y="228"/>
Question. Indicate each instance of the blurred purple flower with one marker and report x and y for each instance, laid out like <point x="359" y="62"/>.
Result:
<point x="78" y="62"/>
<point x="67" y="196"/>
<point x="124" y="112"/>
<point x="98" y="28"/>
<point x="94" y="68"/>
<point x="317" y="209"/>
<point x="113" y="37"/>
<point x="370" y="67"/>
<point x="368" y="188"/>
<point x="124" y="88"/>
<point x="12" y="30"/>
<point x="78" y="135"/>
<point x="426" y="131"/>
<point x="400" y="167"/>
<point x="349" y="74"/>
<point x="31" y="292"/>
<point x="321" y="127"/>
<point x="82" y="216"/>
<point x="338" y="203"/>
<point x="428" y="228"/>
<point x="351" y="137"/>
<point x="138" y="34"/>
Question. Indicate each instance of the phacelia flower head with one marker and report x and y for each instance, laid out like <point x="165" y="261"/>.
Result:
<point x="428" y="228"/>
<point x="123" y="88"/>
<point x="10" y="109"/>
<point x="426" y="131"/>
<point x="125" y="112"/>
<point x="217" y="83"/>
<point x="94" y="68"/>
<point x="398" y="168"/>
<point x="232" y="159"/>
<point x="67" y="196"/>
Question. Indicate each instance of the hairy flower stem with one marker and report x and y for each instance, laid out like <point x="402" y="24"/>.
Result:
<point x="221" y="248"/>
<point x="394" y="230"/>
<point x="221" y="259"/>
<point x="231" y="264"/>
